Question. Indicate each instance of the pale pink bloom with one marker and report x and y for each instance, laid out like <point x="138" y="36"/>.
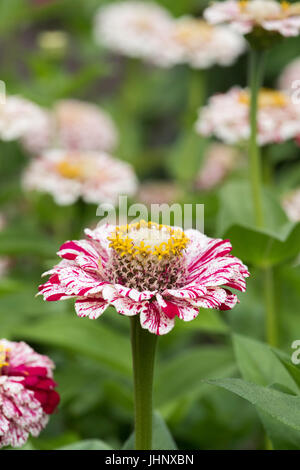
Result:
<point x="289" y="80"/>
<point x="95" y="177"/>
<point x="139" y="30"/>
<point x="154" y="271"/>
<point x="245" y="15"/>
<point x="4" y="261"/>
<point x="203" y="45"/>
<point x="226" y="116"/>
<point x="158" y="192"/>
<point x="27" y="394"/>
<point x="73" y="125"/>
<point x="291" y="205"/>
<point x="19" y="116"/>
<point x="219" y="161"/>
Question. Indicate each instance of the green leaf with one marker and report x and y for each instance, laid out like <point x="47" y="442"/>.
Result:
<point x="236" y="208"/>
<point x="280" y="411"/>
<point x="259" y="364"/>
<point x="183" y="375"/>
<point x="84" y="337"/>
<point x="89" y="444"/>
<point x="208" y="320"/>
<point x="162" y="438"/>
<point x="262" y="247"/>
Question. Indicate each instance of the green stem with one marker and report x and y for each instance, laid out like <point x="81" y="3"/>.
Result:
<point x="143" y="355"/>
<point x="271" y="323"/>
<point x="196" y="95"/>
<point x="255" y="78"/>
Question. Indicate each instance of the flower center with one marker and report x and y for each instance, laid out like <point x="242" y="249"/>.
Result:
<point x="260" y="10"/>
<point x="193" y="30"/>
<point x="266" y="99"/>
<point x="147" y="256"/>
<point x="78" y="167"/>
<point x="3" y="356"/>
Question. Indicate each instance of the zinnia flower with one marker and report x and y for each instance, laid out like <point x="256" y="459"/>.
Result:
<point x="73" y="125"/>
<point x="219" y="162"/>
<point x="27" y="394"/>
<point x="19" y="116"/>
<point x="227" y="117"/>
<point x="291" y="205"/>
<point x="154" y="271"/>
<point x="290" y="75"/>
<point x="247" y="16"/>
<point x="138" y="30"/>
<point x="68" y="175"/>
<point x="203" y="45"/>
<point x="4" y="261"/>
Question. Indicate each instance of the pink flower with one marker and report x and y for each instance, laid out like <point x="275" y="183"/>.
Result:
<point x="289" y="76"/>
<point x="94" y="176"/>
<point x="27" y="394"/>
<point x="154" y="271"/>
<point x="19" y="116"/>
<point x="219" y="162"/>
<point x="245" y="16"/>
<point x="72" y="125"/>
<point x="226" y="116"/>
<point x="291" y="205"/>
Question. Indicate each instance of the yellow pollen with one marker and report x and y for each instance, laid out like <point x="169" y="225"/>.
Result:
<point x="70" y="170"/>
<point x="3" y="353"/>
<point x="285" y="5"/>
<point x="243" y="4"/>
<point x="266" y="98"/>
<point x="135" y="239"/>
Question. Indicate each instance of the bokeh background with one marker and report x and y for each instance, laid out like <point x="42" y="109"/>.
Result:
<point x="155" y="110"/>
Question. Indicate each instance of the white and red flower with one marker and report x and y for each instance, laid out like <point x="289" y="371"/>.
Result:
<point x="246" y="15"/>
<point x="72" y="125"/>
<point x="27" y="395"/>
<point x="69" y="175"/>
<point x="18" y="116"/>
<point x="203" y="45"/>
<point x="154" y="271"/>
<point x="226" y="116"/>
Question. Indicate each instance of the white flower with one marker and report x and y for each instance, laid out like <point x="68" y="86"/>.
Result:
<point x="226" y="116"/>
<point x="203" y="45"/>
<point x="94" y="176"/>
<point x="246" y="15"/>
<point x="138" y="30"/>
<point x="19" y="116"/>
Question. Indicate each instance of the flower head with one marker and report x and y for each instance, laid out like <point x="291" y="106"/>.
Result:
<point x="256" y="16"/>
<point x="155" y="271"/>
<point x="203" y="45"/>
<point x="27" y="394"/>
<point x="290" y="75"/>
<point x="139" y="30"/>
<point x="219" y="162"/>
<point x="19" y="116"/>
<point x="68" y="175"/>
<point x="227" y="117"/>
<point x="72" y="125"/>
<point x="291" y="205"/>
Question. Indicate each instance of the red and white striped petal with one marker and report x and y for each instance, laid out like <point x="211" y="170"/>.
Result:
<point x="189" y="292"/>
<point x="177" y="308"/>
<point x="90" y="307"/>
<point x="78" y="282"/>
<point x="128" y="307"/>
<point x="155" y="320"/>
<point x="134" y="294"/>
<point x="81" y="251"/>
